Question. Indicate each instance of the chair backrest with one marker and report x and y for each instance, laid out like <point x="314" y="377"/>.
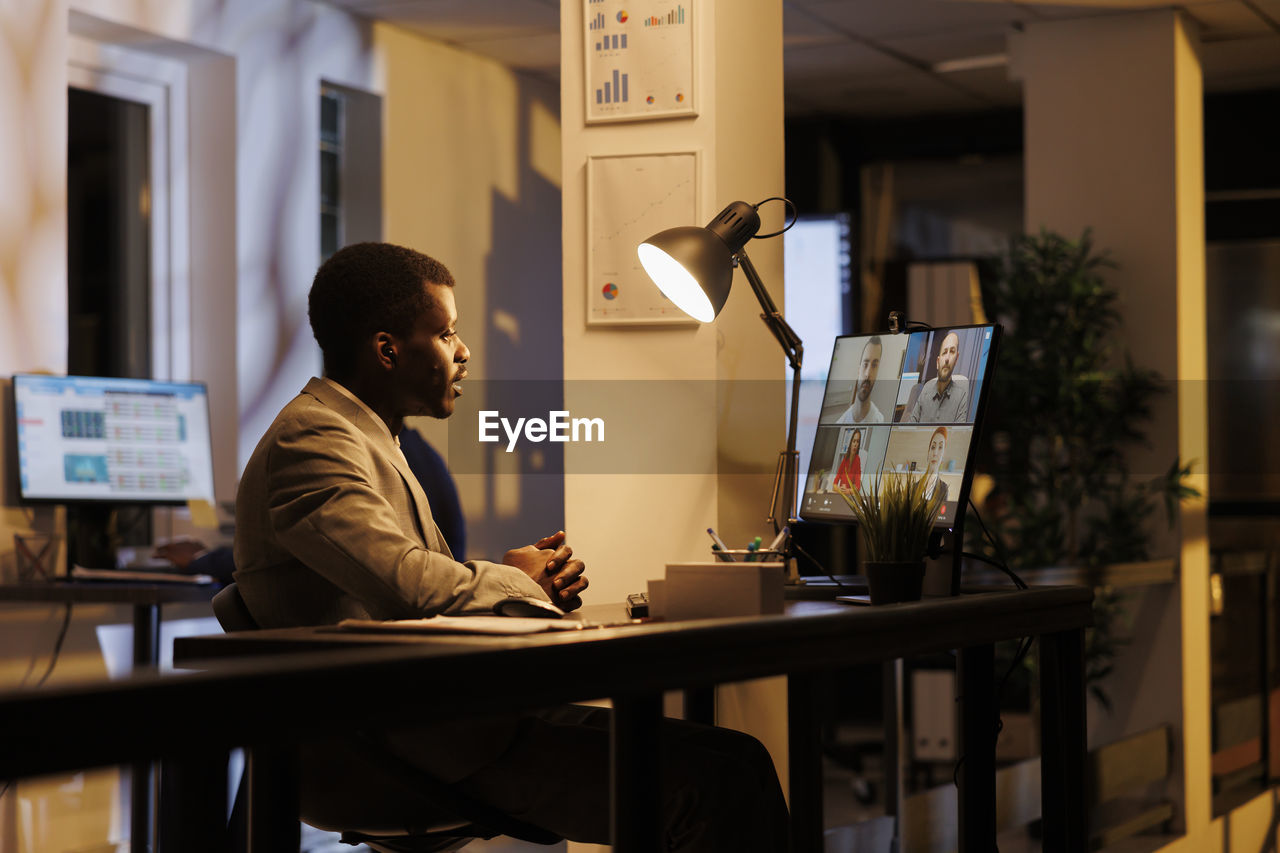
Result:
<point x="232" y="613"/>
<point x="474" y="818"/>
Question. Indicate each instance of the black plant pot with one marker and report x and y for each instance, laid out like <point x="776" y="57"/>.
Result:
<point x="891" y="583"/>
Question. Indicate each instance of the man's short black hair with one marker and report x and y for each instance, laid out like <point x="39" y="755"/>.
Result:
<point x="367" y="288"/>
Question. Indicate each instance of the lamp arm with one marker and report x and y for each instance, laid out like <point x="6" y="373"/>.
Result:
<point x="787" y="337"/>
<point x="783" y="503"/>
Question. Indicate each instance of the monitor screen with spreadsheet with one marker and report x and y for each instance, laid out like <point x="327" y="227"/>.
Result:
<point x="92" y="439"/>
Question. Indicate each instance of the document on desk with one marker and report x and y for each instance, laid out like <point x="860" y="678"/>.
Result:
<point x="80" y="573"/>
<point x="501" y="625"/>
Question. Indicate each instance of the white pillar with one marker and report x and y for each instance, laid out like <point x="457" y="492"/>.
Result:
<point x="628" y="526"/>
<point x="644" y="521"/>
<point x="1114" y="141"/>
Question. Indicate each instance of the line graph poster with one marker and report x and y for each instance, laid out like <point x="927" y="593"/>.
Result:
<point x="629" y="199"/>
<point x="639" y="57"/>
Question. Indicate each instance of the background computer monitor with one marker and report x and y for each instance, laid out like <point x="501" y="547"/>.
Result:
<point x="85" y="440"/>
<point x="891" y="412"/>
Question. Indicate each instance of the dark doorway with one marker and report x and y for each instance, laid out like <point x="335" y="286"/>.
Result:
<point x="108" y="236"/>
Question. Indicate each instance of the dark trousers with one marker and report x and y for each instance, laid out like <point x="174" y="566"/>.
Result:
<point x="719" y="789"/>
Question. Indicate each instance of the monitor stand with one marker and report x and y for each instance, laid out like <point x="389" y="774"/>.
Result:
<point x="96" y="531"/>
<point x="89" y="536"/>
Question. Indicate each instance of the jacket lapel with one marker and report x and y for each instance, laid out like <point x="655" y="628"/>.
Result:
<point x="319" y="389"/>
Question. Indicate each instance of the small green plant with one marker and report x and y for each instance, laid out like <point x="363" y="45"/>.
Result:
<point x="895" y="517"/>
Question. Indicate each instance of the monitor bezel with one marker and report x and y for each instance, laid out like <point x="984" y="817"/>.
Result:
<point x="77" y="500"/>
<point x="966" y="482"/>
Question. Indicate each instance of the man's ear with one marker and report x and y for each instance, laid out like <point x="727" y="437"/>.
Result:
<point x="384" y="350"/>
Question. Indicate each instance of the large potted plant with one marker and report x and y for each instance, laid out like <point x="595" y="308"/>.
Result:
<point x="895" y="516"/>
<point x="1068" y="405"/>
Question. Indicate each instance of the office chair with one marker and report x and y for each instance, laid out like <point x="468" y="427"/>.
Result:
<point x="451" y="819"/>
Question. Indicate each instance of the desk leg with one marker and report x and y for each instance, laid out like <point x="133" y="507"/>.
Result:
<point x="1063" y="749"/>
<point x="804" y="758"/>
<point x="636" y="802"/>
<point x="272" y="777"/>
<point x="140" y="829"/>
<point x="193" y="803"/>
<point x="700" y="705"/>
<point x="976" y="794"/>
<point x="146" y="649"/>
<point x="893" y="675"/>
<point x="146" y="635"/>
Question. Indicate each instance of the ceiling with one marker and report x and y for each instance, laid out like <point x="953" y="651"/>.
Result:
<point x="871" y="58"/>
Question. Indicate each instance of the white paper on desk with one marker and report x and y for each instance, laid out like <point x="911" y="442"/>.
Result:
<point x="81" y="573"/>
<point x="462" y="625"/>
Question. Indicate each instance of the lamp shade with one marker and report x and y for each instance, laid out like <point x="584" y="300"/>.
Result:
<point x="693" y="267"/>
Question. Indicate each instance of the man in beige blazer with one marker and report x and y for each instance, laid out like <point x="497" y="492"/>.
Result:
<point x="331" y="523"/>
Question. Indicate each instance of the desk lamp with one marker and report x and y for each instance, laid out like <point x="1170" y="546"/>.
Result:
<point x="693" y="267"/>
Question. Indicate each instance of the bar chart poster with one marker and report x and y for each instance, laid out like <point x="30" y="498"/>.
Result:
<point x="639" y="59"/>
<point x="629" y="199"/>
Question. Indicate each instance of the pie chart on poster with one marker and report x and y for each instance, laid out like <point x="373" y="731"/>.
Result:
<point x="610" y="291"/>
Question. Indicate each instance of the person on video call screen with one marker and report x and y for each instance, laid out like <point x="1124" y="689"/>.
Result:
<point x="861" y="410"/>
<point x="848" y="476"/>
<point x="945" y="398"/>
<point x="933" y="463"/>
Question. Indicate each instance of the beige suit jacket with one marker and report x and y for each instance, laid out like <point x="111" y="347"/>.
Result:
<point x="331" y="523"/>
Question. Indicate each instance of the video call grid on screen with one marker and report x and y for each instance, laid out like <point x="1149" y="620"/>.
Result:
<point x="83" y="439"/>
<point x="896" y="420"/>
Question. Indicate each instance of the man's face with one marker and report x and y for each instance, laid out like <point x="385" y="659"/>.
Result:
<point x="947" y="357"/>
<point x="431" y="360"/>
<point x="867" y="370"/>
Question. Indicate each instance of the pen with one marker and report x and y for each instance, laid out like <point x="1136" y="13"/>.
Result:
<point x="718" y="543"/>
<point x="753" y="547"/>
<point x="779" y="539"/>
<point x="720" y="554"/>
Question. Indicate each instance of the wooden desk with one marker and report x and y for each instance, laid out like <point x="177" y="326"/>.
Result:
<point x="632" y="666"/>
<point x="146" y="600"/>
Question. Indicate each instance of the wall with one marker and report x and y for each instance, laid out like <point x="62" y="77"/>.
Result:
<point x="472" y="177"/>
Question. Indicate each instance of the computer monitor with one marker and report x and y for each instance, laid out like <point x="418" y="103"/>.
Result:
<point x="898" y="405"/>
<point x="88" y="439"/>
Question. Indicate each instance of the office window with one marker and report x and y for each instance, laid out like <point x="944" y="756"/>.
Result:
<point x="350" y="167"/>
<point x="331" y="127"/>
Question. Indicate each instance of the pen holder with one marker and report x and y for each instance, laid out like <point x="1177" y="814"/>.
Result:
<point x="744" y="555"/>
<point x="34" y="554"/>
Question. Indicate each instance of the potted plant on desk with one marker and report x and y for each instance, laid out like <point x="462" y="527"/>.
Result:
<point x="896" y="519"/>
